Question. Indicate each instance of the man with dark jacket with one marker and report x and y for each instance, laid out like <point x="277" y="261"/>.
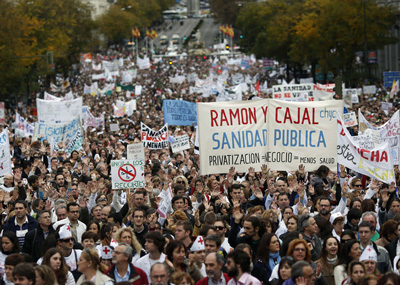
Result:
<point x="122" y="269"/>
<point x="394" y="247"/>
<point x="21" y="223"/>
<point x="253" y="231"/>
<point x="37" y="236"/>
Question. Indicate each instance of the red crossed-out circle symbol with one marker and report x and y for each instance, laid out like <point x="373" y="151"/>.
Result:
<point x="127" y="172"/>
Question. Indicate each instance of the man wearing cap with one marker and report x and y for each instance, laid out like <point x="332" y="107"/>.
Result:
<point x="65" y="243"/>
<point x="369" y="258"/>
<point x="106" y="255"/>
<point x="337" y="220"/>
<point x="365" y="230"/>
<point x="198" y="254"/>
<point x="154" y="245"/>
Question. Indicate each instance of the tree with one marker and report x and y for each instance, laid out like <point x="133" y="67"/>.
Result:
<point x="66" y="27"/>
<point x="327" y="32"/>
<point x="18" y="46"/>
<point x="228" y="11"/>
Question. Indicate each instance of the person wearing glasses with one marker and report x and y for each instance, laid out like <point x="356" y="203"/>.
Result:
<point x="92" y="270"/>
<point x="54" y="259"/>
<point x="77" y="227"/>
<point x="220" y="228"/>
<point x="65" y="243"/>
<point x="123" y="269"/>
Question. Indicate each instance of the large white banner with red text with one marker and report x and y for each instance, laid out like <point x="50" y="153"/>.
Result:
<point x="278" y="133"/>
<point x="389" y="132"/>
<point x="376" y="162"/>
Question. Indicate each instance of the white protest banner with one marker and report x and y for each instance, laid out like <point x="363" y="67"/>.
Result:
<point x="57" y="132"/>
<point x="69" y="96"/>
<point x="138" y="90"/>
<point x="353" y="92"/>
<point x="376" y="163"/>
<point x="118" y="112"/>
<point x="389" y="132"/>
<point x="369" y="89"/>
<point x="386" y="106"/>
<point x="5" y="156"/>
<point x="96" y="67"/>
<point x="114" y="127"/>
<point x="306" y="91"/>
<point x="50" y="97"/>
<point x="74" y="144"/>
<point x="94" y="122"/>
<point x="235" y="134"/>
<point x="365" y="141"/>
<point x="24" y="128"/>
<point x="143" y="63"/>
<point x="86" y="89"/>
<point x="98" y="76"/>
<point x="165" y="205"/>
<point x="350" y="119"/>
<point x="181" y="143"/>
<point x="135" y="151"/>
<point x="2" y="113"/>
<point x="126" y="77"/>
<point x="58" y="111"/>
<point x="154" y="139"/>
<point x="355" y="99"/>
<point x="129" y="107"/>
<point x="233" y="93"/>
<point x="127" y="174"/>
<point x="192" y="77"/>
<point x="112" y="66"/>
<point x="177" y="79"/>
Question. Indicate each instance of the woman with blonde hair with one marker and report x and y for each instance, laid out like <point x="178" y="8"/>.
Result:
<point x="128" y="236"/>
<point x="92" y="269"/>
<point x="182" y="278"/>
<point x="45" y="275"/>
<point x="182" y="180"/>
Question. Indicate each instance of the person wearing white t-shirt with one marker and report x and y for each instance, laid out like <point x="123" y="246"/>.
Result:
<point x="65" y="243"/>
<point x="154" y="245"/>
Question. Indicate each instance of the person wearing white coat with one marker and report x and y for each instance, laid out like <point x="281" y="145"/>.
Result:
<point x="154" y="245"/>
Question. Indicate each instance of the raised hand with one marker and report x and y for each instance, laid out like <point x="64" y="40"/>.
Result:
<point x="264" y="169"/>
<point x="252" y="172"/>
<point x="302" y="169"/>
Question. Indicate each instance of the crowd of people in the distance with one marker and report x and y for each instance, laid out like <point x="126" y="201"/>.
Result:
<point x="62" y="223"/>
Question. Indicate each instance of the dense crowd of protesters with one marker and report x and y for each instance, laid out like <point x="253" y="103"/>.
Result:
<point x="62" y="223"/>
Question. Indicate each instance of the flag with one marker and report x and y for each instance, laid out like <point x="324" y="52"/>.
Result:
<point x="221" y="28"/>
<point x="148" y="34"/>
<point x="231" y="32"/>
<point x="257" y="88"/>
<point x="135" y="33"/>
<point x="226" y="30"/>
<point x="154" y="34"/>
<point x="395" y="89"/>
